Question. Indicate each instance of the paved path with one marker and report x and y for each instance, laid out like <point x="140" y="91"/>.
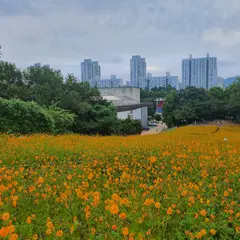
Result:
<point x="155" y="130"/>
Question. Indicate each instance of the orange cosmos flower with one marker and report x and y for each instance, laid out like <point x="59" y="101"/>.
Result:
<point x="125" y="231"/>
<point x="15" y="198"/>
<point x="59" y="233"/>
<point x="35" y="237"/>
<point x="157" y="205"/>
<point x="50" y="225"/>
<point x="213" y="232"/>
<point x="5" y="216"/>
<point x="203" y="212"/>
<point x="226" y="194"/>
<point x="48" y="231"/>
<point x="69" y="177"/>
<point x="169" y="211"/>
<point x="114" y="208"/>
<point x="40" y="180"/>
<point x="122" y="215"/>
<point x="152" y="159"/>
<point x="29" y="220"/>
<point x="13" y="237"/>
<point x="114" y="227"/>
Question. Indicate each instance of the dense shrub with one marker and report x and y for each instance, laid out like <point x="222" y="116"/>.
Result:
<point x="17" y="116"/>
<point x="63" y="119"/>
<point x="129" y="127"/>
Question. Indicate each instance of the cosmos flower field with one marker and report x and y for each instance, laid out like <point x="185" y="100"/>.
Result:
<point x="182" y="184"/>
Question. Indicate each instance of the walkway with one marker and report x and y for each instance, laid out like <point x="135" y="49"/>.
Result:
<point x="155" y="130"/>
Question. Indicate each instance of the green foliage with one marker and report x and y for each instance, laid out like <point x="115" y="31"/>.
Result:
<point x="17" y="116"/>
<point x="11" y="81"/>
<point x="152" y="110"/>
<point x="129" y="127"/>
<point x="186" y="106"/>
<point x="234" y="100"/>
<point x="85" y="111"/>
<point x="44" y="84"/>
<point x="158" y="117"/>
<point x="63" y="119"/>
<point x="218" y="99"/>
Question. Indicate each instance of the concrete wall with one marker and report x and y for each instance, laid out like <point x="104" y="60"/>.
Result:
<point x="137" y="114"/>
<point x="144" y="116"/>
<point x="128" y="95"/>
<point x="123" y="115"/>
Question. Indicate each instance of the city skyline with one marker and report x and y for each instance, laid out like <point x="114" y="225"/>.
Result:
<point x="198" y="72"/>
<point x="112" y="31"/>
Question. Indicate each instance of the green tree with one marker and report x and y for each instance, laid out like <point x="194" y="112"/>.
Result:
<point x="45" y="84"/>
<point x="11" y="81"/>
<point x="219" y="100"/>
<point x="186" y="106"/>
<point x="234" y="100"/>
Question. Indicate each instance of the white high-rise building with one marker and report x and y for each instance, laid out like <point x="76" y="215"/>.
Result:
<point x="90" y="72"/>
<point x="112" y="82"/>
<point x="199" y="72"/>
<point x="150" y="82"/>
<point x="137" y="70"/>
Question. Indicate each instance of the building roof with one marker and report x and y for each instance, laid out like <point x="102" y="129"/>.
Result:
<point x="110" y="98"/>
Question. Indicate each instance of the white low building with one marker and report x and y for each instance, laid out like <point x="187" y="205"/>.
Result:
<point x="127" y="102"/>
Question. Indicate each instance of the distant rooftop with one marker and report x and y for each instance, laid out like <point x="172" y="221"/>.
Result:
<point x="110" y="98"/>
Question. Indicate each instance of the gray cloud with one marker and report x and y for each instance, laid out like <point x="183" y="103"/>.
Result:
<point x="222" y="63"/>
<point x="62" y="33"/>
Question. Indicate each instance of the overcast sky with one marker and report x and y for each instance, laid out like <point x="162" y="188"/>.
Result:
<point x="64" y="32"/>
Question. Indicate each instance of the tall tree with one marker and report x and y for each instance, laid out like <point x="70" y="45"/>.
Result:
<point x="234" y="100"/>
<point x="218" y="99"/>
<point x="45" y="84"/>
<point x="11" y="81"/>
<point x="186" y="106"/>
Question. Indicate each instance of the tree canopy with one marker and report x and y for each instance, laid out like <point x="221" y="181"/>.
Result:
<point x="48" y="87"/>
<point x="196" y="104"/>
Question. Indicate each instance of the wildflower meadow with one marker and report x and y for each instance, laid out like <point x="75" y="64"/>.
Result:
<point x="181" y="184"/>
